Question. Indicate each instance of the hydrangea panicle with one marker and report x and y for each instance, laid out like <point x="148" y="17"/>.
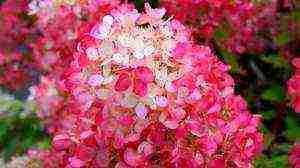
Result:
<point x="139" y="93"/>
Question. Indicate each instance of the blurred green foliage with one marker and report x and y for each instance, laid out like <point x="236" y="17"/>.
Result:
<point x="279" y="161"/>
<point x="273" y="93"/>
<point x="18" y="134"/>
<point x="292" y="124"/>
<point x="20" y="129"/>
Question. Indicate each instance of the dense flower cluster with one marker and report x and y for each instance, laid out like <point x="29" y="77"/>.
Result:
<point x="60" y="22"/>
<point x="49" y="102"/>
<point x="139" y="93"/>
<point x="294" y="157"/>
<point x="235" y="25"/>
<point x="44" y="38"/>
<point x="15" y="61"/>
<point x="294" y="86"/>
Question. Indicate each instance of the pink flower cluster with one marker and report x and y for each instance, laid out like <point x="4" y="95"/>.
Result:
<point x="139" y="93"/>
<point x="14" y="54"/>
<point x="60" y="23"/>
<point x="30" y="44"/>
<point x="239" y="21"/>
<point x="294" y="156"/>
<point x="50" y="103"/>
<point x="294" y="85"/>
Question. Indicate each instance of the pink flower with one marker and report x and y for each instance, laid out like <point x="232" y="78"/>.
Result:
<point x="294" y="86"/>
<point x="139" y="79"/>
<point x="132" y="158"/>
<point x="61" y="142"/>
<point x="294" y="156"/>
<point x="123" y="82"/>
<point x="76" y="163"/>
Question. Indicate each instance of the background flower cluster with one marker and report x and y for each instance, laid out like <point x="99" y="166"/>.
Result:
<point x="163" y="83"/>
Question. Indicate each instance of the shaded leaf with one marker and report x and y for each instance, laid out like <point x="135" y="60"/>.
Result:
<point x="276" y="60"/>
<point x="282" y="38"/>
<point x="232" y="60"/>
<point x="292" y="128"/>
<point x="274" y="93"/>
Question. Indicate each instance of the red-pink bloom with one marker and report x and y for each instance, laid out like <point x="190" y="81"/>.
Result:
<point x="135" y="96"/>
<point x="294" y="156"/>
<point x="61" y="142"/>
<point x="61" y="24"/>
<point x="239" y="22"/>
<point x="15" y="33"/>
<point x="294" y="86"/>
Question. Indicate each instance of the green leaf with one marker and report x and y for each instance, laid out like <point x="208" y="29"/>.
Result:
<point x="282" y="38"/>
<point x="231" y="59"/>
<point x="280" y="161"/>
<point x="220" y="34"/>
<point x="10" y="148"/>
<point x="292" y="128"/>
<point x="296" y="15"/>
<point x="282" y="148"/>
<point x="268" y="115"/>
<point x="139" y="4"/>
<point x="274" y="93"/>
<point x="25" y="132"/>
<point x="268" y="139"/>
<point x="276" y="60"/>
<point x="45" y="144"/>
<point x="3" y="129"/>
<point x="16" y="106"/>
<point x="26" y="143"/>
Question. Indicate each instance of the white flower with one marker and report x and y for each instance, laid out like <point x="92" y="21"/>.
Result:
<point x="148" y="50"/>
<point x="108" y="20"/>
<point x="32" y="94"/>
<point x="137" y="44"/>
<point x="141" y="50"/>
<point x="161" y="76"/>
<point x="107" y="48"/>
<point x="168" y="45"/>
<point x="100" y="31"/>
<point x="92" y="53"/>
<point x="125" y="40"/>
<point x="118" y="58"/>
<point x="138" y="54"/>
<point x="167" y="32"/>
<point x="33" y="7"/>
